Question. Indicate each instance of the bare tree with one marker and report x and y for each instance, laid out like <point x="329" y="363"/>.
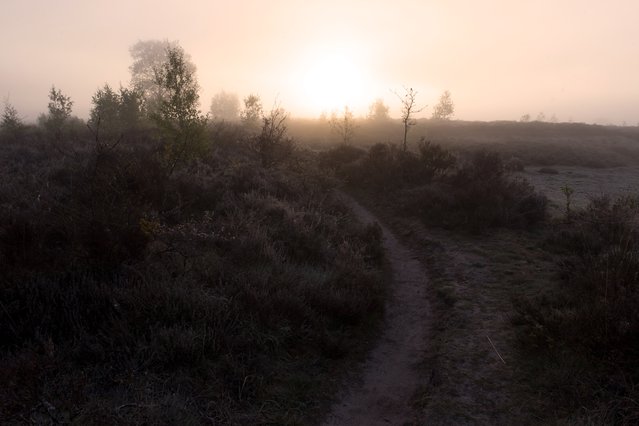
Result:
<point x="343" y="125"/>
<point x="409" y="109"/>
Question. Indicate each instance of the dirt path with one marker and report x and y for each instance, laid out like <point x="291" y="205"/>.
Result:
<point x="390" y="376"/>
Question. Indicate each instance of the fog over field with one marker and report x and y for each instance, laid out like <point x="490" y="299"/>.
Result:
<point x="572" y="60"/>
<point x="319" y="212"/>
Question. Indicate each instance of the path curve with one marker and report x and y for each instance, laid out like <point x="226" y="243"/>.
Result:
<point x="390" y="375"/>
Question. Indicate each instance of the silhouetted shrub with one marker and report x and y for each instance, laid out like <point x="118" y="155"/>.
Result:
<point x="475" y="194"/>
<point x="386" y="166"/>
<point x="340" y="156"/>
<point x="435" y="161"/>
<point x="480" y="194"/>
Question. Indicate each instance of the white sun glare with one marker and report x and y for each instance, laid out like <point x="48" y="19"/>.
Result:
<point x="334" y="78"/>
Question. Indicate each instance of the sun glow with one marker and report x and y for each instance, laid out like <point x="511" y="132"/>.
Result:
<point x="334" y="78"/>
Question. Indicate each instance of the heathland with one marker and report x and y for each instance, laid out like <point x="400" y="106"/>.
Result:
<point x="160" y="267"/>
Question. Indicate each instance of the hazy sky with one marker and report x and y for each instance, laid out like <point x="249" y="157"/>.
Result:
<point x="577" y="59"/>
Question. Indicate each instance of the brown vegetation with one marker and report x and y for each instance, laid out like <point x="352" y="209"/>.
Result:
<point x="218" y="292"/>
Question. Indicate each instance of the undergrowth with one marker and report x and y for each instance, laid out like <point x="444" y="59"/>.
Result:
<point x="470" y="192"/>
<point x="224" y="292"/>
<point x="589" y="327"/>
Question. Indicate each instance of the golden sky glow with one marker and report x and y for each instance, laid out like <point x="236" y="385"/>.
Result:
<point x="499" y="58"/>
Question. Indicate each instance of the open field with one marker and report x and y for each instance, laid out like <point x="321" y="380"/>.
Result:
<point x="586" y="182"/>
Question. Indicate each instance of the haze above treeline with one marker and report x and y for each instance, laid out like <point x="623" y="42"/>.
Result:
<point x="574" y="60"/>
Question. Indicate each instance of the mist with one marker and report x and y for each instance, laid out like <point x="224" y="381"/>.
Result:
<point x="575" y="60"/>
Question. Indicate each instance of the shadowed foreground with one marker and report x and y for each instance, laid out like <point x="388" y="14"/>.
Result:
<point x="390" y="376"/>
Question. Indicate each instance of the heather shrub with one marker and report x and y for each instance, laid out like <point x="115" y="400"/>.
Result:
<point x="339" y="156"/>
<point x="126" y="287"/>
<point x="592" y="317"/>
<point x="474" y="195"/>
<point x="486" y="196"/>
<point x="435" y="161"/>
<point x="601" y="271"/>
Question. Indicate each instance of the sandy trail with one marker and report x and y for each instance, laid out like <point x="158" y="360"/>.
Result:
<point x="390" y="376"/>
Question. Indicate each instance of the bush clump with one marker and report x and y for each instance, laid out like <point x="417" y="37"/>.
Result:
<point x="434" y="185"/>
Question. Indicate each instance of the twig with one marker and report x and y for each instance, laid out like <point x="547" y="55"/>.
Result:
<point x="496" y="351"/>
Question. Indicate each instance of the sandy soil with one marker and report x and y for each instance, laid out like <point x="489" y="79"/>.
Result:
<point x="391" y="376"/>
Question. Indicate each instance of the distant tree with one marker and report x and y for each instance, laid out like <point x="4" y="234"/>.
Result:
<point x="553" y="118"/>
<point x="11" y="124"/>
<point x="225" y="106"/>
<point x="343" y="125"/>
<point x="409" y="109"/>
<point x="541" y="117"/>
<point x="525" y="118"/>
<point x="445" y="108"/>
<point x="252" y="113"/>
<point x="60" y="107"/>
<point x="149" y="57"/>
<point x="178" y="117"/>
<point x="378" y="111"/>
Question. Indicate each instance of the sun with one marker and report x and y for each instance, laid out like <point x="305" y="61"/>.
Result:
<point x="332" y="78"/>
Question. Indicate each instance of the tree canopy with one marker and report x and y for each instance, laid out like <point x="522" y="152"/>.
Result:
<point x="149" y="56"/>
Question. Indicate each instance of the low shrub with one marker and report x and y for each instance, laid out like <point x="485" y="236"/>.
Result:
<point x="487" y="196"/>
<point x="202" y="294"/>
<point x="477" y="194"/>
<point x="593" y="316"/>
